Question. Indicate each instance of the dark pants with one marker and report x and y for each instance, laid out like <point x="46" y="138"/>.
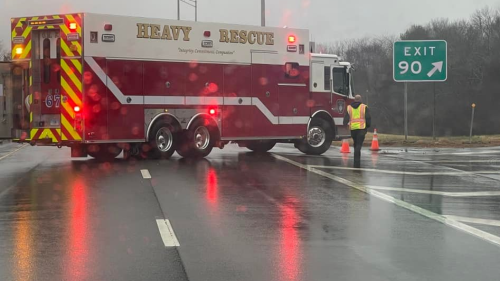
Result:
<point x="358" y="136"/>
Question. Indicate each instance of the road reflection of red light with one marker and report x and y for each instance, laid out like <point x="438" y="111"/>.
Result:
<point x="23" y="247"/>
<point x="78" y="232"/>
<point x="212" y="188"/>
<point x="290" y="254"/>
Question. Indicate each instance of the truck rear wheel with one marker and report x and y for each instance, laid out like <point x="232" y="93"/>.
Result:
<point x="162" y="141"/>
<point x="198" y="141"/>
<point x="104" y="152"/>
<point x="319" y="138"/>
<point x="261" y="146"/>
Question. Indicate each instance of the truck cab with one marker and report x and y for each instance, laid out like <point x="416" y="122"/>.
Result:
<point x="331" y="88"/>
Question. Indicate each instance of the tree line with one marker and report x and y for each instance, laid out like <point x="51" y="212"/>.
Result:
<point x="473" y="77"/>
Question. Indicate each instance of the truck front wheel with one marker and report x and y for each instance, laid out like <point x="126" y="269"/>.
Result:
<point x="319" y="138"/>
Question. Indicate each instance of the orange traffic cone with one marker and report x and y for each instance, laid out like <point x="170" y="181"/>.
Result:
<point x="375" y="146"/>
<point x="345" y="147"/>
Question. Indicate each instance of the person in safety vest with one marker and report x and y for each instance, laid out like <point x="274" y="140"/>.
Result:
<point x="359" y="120"/>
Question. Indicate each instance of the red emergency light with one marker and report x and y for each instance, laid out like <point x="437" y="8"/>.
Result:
<point x="292" y="39"/>
<point x="77" y="108"/>
<point x="72" y="26"/>
<point x="108" y="27"/>
<point x="212" y="111"/>
<point x="207" y="33"/>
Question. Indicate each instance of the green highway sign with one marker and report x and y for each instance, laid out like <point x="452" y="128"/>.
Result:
<point x="420" y="61"/>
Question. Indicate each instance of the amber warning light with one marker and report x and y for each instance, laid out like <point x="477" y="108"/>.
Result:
<point x="291" y="39"/>
<point x="19" y="51"/>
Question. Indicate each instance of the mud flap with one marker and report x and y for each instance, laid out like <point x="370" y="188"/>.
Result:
<point x="78" y="150"/>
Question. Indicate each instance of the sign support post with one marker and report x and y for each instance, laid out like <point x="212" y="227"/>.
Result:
<point x="420" y="61"/>
<point x="406" y="111"/>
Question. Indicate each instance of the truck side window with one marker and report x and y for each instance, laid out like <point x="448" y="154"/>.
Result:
<point x="340" y="81"/>
<point x="327" y="78"/>
<point x="46" y="61"/>
<point x="292" y="70"/>
<point x="58" y="52"/>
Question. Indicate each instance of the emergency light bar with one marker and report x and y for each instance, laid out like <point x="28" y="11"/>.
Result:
<point x="46" y="22"/>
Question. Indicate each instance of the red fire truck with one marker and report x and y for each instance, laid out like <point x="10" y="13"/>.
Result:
<point x="101" y="84"/>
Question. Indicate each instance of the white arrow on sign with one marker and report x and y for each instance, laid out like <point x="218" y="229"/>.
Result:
<point x="438" y="66"/>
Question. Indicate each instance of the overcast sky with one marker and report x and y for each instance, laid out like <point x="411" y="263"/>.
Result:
<point x="328" y="20"/>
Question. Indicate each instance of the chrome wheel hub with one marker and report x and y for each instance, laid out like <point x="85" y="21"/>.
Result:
<point x="201" y="138"/>
<point x="164" y="139"/>
<point x="316" y="137"/>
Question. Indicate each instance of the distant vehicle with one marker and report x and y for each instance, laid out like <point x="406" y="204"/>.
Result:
<point x="101" y="84"/>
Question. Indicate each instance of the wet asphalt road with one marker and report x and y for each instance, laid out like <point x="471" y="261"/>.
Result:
<point x="407" y="215"/>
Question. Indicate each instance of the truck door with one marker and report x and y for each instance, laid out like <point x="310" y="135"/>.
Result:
<point x="340" y="95"/>
<point x="46" y="80"/>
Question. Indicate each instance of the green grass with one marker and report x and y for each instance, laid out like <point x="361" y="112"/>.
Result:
<point x="418" y="141"/>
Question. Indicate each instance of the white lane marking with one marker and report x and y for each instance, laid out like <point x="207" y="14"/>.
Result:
<point x="407" y="172"/>
<point x="12" y="152"/>
<point x="485" y="161"/>
<point x="145" y="174"/>
<point x="167" y="233"/>
<point x="474" y="220"/>
<point x="437" y="217"/>
<point x="443" y="193"/>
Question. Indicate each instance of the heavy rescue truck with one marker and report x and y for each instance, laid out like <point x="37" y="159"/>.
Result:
<point x="101" y="84"/>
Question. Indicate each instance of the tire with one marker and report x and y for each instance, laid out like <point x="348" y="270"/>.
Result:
<point x="163" y="140"/>
<point x="104" y="152"/>
<point x="261" y="146"/>
<point x="199" y="140"/>
<point x="319" y="138"/>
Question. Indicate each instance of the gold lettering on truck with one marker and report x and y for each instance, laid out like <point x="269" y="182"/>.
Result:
<point x="186" y="30"/>
<point x="166" y="32"/>
<point x="142" y="30"/>
<point x="246" y="37"/>
<point x="155" y="31"/>
<point x="224" y="35"/>
<point x="243" y="37"/>
<point x="167" y="35"/>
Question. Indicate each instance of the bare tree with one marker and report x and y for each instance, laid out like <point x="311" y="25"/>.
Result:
<point x="473" y="68"/>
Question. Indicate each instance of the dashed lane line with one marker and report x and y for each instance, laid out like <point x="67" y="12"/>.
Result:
<point x="432" y="192"/>
<point x="164" y="226"/>
<point x="421" y="211"/>
<point x="145" y="174"/>
<point x="167" y="233"/>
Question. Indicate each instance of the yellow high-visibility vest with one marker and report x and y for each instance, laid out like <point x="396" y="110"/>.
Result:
<point x="357" y="117"/>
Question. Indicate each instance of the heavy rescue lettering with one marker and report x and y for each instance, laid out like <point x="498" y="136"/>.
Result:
<point x="154" y="31"/>
<point x="244" y="37"/>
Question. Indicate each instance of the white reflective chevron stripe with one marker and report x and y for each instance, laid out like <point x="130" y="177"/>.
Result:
<point x="196" y="100"/>
<point x="269" y="115"/>
<point x="237" y="101"/>
<point x="111" y="85"/>
<point x="204" y="100"/>
<point x="294" y="119"/>
<point x="173" y="100"/>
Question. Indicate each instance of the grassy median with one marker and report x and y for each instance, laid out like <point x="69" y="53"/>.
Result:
<point x="416" y="141"/>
